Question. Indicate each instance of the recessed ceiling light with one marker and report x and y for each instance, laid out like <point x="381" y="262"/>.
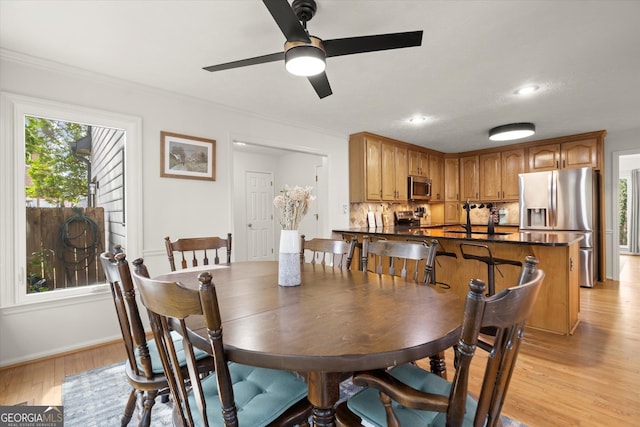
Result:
<point x="416" y="120"/>
<point x="527" y="90"/>
<point x="512" y="131"/>
<point x="239" y="144"/>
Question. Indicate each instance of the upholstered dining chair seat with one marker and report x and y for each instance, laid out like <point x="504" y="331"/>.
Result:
<point x="366" y="403"/>
<point x="261" y="395"/>
<point x="156" y="363"/>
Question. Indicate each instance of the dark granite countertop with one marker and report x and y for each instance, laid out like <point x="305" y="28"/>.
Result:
<point x="456" y="233"/>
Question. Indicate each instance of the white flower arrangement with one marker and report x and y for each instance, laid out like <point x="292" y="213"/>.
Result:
<point x="292" y="204"/>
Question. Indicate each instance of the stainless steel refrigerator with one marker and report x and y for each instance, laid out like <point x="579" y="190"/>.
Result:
<point x="564" y="200"/>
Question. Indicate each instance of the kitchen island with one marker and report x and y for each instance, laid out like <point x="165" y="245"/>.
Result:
<point x="556" y="309"/>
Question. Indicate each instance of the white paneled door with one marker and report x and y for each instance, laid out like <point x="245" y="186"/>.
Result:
<point x="259" y="193"/>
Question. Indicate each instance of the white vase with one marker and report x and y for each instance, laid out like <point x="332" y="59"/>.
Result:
<point x="289" y="260"/>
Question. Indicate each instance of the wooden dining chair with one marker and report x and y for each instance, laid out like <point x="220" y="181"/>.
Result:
<point x="332" y="252"/>
<point x="388" y="254"/>
<point x="143" y="369"/>
<point x="235" y="394"/>
<point x="527" y="273"/>
<point x="408" y="395"/>
<point x="193" y="250"/>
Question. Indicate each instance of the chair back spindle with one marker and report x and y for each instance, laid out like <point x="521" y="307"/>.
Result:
<point x="409" y="255"/>
<point x="196" y="247"/>
<point x="336" y="253"/>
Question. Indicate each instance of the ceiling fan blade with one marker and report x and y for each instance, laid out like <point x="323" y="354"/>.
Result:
<point x="320" y="83"/>
<point x="278" y="56"/>
<point x="351" y="45"/>
<point x="287" y="20"/>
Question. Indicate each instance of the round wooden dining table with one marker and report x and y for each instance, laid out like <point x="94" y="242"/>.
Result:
<point x="337" y="321"/>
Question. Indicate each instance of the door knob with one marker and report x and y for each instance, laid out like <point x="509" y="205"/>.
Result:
<point x="249" y="225"/>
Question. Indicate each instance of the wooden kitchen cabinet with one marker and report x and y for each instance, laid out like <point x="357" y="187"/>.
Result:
<point x="451" y="179"/>
<point x="565" y="155"/>
<point x="451" y="212"/>
<point x="365" y="168"/>
<point x="512" y="166"/>
<point x="490" y="177"/>
<point x="469" y="176"/>
<point x="394" y="172"/>
<point x="578" y="154"/>
<point x="418" y="163"/>
<point x="499" y="175"/>
<point x="436" y="173"/>
<point x="544" y="157"/>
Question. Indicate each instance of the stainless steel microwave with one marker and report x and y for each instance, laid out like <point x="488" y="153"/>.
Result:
<point x="419" y="188"/>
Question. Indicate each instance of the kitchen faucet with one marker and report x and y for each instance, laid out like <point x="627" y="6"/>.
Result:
<point x="467" y="227"/>
<point x="467" y="207"/>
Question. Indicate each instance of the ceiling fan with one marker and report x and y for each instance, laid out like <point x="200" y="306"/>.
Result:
<point x="305" y="54"/>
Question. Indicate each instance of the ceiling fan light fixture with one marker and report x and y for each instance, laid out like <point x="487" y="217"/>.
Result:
<point x="512" y="131"/>
<point x="305" y="59"/>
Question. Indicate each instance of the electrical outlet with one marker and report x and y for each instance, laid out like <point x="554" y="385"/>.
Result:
<point x="345" y="209"/>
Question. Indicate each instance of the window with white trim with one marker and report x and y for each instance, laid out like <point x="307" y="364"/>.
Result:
<point x="65" y="197"/>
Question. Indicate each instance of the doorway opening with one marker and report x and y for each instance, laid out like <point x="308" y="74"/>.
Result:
<point x="626" y="208"/>
<point x="285" y="167"/>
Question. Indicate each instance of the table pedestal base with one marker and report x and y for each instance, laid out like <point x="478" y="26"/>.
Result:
<point x="324" y="392"/>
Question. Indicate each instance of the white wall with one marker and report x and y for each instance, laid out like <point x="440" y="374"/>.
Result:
<point x="298" y="169"/>
<point x="616" y="141"/>
<point x="171" y="206"/>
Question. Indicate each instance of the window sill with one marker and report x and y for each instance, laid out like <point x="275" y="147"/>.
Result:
<point x="51" y="301"/>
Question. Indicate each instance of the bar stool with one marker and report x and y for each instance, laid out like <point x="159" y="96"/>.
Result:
<point x="492" y="262"/>
<point x="441" y="253"/>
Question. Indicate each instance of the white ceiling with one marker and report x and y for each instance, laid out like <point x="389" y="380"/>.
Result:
<point x="584" y="55"/>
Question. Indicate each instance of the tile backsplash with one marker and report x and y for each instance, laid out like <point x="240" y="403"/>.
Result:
<point x="359" y="211"/>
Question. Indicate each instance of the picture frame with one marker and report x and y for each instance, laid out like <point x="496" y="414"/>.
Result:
<point x="187" y="157"/>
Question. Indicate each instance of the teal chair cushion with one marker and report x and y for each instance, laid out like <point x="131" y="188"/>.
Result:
<point x="366" y="403"/>
<point x="261" y="395"/>
<point x="156" y="363"/>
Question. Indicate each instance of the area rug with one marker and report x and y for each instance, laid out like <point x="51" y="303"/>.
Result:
<point x="97" y="398"/>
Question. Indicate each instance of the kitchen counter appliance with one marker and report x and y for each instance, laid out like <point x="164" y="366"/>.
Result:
<point x="419" y="188"/>
<point x="406" y="218"/>
<point x="564" y="200"/>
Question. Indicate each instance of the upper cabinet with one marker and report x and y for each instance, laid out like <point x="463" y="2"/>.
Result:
<point x="394" y="172"/>
<point x="512" y="166"/>
<point x="379" y="166"/>
<point x="469" y="176"/>
<point x="451" y="179"/>
<point x="418" y="163"/>
<point x="578" y="154"/>
<point x="365" y="168"/>
<point x="377" y="169"/>
<point x="436" y="173"/>
<point x="544" y="157"/>
<point x="569" y="154"/>
<point x="499" y="175"/>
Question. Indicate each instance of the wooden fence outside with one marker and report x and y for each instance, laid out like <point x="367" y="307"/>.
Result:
<point x="64" y="246"/>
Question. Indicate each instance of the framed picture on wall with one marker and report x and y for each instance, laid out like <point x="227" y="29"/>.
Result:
<point x="187" y="157"/>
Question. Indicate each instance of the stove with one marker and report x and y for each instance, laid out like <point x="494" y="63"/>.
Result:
<point x="406" y="218"/>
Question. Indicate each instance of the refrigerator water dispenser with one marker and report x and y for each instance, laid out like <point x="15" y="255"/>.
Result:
<point x="537" y="217"/>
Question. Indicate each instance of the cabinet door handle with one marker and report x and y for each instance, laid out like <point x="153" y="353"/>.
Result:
<point x="570" y="263"/>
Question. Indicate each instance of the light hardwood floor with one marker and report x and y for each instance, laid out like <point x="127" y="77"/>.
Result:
<point x="589" y="379"/>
